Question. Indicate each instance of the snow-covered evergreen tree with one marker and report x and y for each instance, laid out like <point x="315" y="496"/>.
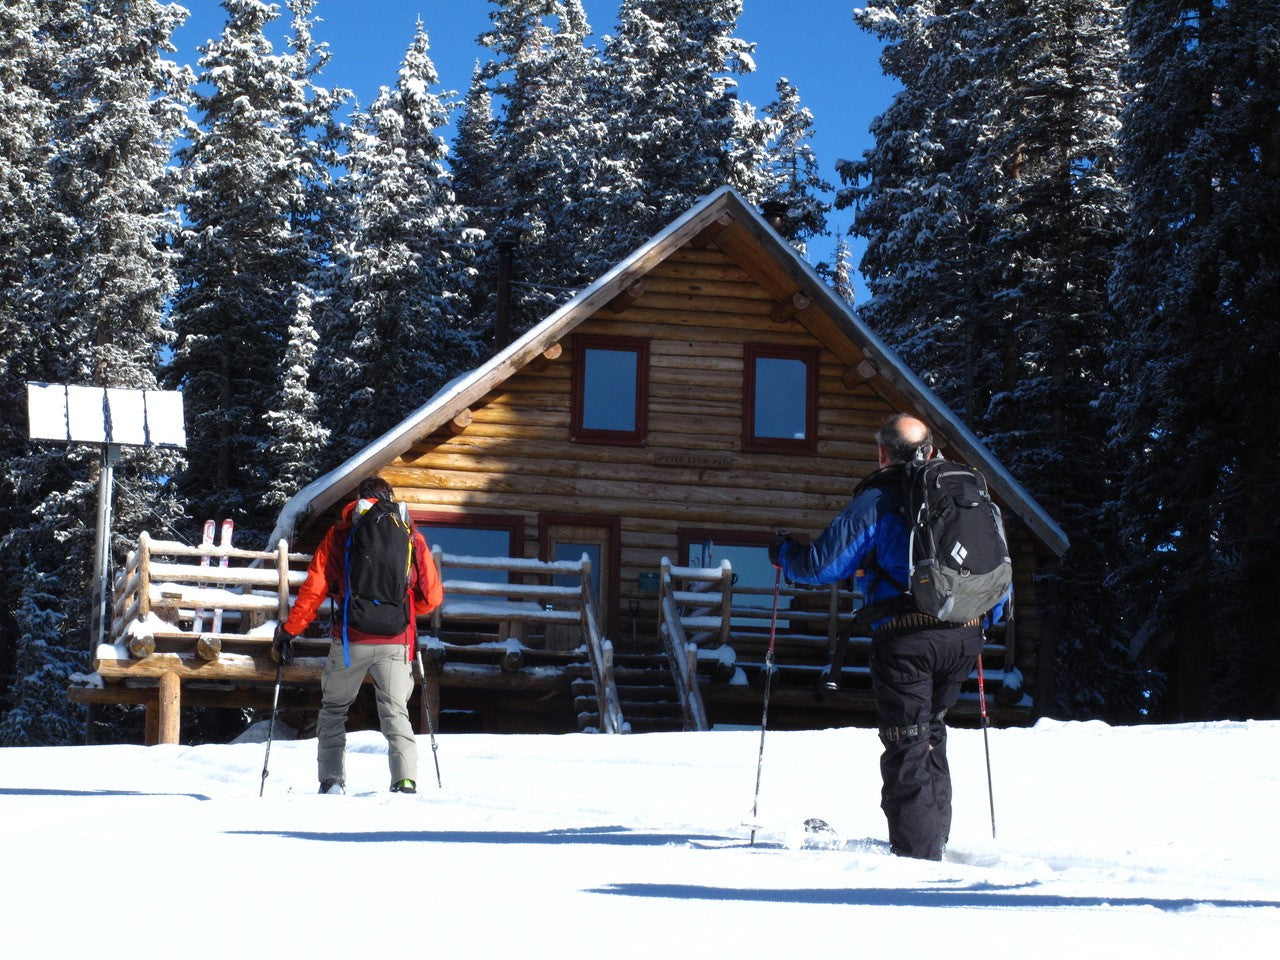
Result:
<point x="677" y="129"/>
<point x="300" y="431"/>
<point x="795" y="179"/>
<point x="1196" y="288"/>
<point x="547" y="149"/>
<point x="408" y="260"/>
<point x="842" y="278"/>
<point x="915" y="197"/>
<point x="293" y="420"/>
<point x="475" y="154"/>
<point x="992" y="212"/>
<point x="243" y="257"/>
<point x="117" y="109"/>
<point x="473" y="162"/>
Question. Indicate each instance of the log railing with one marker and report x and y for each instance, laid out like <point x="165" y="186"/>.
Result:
<point x="681" y="654"/>
<point x="158" y="598"/>
<point x="165" y="587"/>
<point x="520" y="608"/>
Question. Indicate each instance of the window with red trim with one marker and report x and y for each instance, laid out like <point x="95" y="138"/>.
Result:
<point x="610" y="390"/>
<point x="779" y="399"/>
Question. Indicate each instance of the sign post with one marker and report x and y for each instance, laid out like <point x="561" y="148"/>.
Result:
<point x="111" y="418"/>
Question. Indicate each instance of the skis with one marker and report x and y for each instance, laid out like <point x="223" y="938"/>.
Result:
<point x="197" y="619"/>
<point x="820" y="835"/>
<point x="224" y="542"/>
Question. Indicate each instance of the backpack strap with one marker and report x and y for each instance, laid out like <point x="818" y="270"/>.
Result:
<point x="346" y="596"/>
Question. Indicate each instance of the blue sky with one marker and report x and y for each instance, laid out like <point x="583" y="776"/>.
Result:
<point x="813" y="43"/>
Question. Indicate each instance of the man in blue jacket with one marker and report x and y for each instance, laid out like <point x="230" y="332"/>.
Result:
<point x="917" y="662"/>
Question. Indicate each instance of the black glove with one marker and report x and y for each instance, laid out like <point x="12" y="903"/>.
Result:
<point x="282" y="646"/>
<point x="775" y="548"/>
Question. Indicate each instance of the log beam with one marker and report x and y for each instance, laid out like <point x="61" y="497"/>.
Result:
<point x="626" y="298"/>
<point x="169" y="704"/>
<point x="854" y="377"/>
<point x="461" y="421"/>
<point x="708" y="234"/>
<point x="547" y="357"/>
<point x="784" y="310"/>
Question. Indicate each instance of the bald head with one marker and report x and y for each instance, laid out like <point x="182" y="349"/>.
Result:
<point x="901" y="437"/>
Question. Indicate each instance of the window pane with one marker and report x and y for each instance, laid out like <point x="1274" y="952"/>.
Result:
<point x="609" y="390"/>
<point x="470" y="542"/>
<point x="751" y="570"/>
<point x="781" y="395"/>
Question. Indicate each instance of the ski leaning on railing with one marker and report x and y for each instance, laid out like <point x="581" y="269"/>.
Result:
<point x="224" y="543"/>
<point x="206" y="542"/>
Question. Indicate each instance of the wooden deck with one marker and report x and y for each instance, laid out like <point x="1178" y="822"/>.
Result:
<point x="524" y="654"/>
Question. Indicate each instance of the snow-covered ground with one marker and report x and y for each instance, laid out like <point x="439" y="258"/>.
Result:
<point x="1158" y="842"/>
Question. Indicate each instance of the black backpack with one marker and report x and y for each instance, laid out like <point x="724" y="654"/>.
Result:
<point x="376" y="564"/>
<point x="959" y="557"/>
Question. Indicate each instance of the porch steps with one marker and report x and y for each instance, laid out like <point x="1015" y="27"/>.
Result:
<point x="646" y="691"/>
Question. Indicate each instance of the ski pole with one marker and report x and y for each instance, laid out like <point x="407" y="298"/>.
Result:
<point x="426" y="710"/>
<point x="768" y="682"/>
<point x="986" y="746"/>
<point x="271" y="727"/>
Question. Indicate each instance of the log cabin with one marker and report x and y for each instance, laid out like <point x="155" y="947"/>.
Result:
<point x="599" y="497"/>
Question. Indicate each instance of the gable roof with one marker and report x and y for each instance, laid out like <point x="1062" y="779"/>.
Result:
<point x="739" y="229"/>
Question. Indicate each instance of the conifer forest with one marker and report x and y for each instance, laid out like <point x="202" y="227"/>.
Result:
<point x="1071" y="217"/>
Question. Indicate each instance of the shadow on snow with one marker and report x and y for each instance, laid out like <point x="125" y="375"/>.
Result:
<point x="51" y="792"/>
<point x="977" y="895"/>
<point x="614" y="836"/>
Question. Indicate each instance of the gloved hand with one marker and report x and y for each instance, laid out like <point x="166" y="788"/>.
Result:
<point x="775" y="548"/>
<point x="282" y="646"/>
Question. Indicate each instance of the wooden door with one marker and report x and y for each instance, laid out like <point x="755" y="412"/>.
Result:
<point x="568" y="538"/>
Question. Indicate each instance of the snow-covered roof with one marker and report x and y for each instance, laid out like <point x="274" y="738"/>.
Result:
<point x="721" y="207"/>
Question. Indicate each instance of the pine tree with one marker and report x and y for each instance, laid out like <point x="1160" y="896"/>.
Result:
<point x="992" y="213"/>
<point x="408" y="259"/>
<point x="297" y="450"/>
<point x="243" y="257"/>
<point x="475" y="154"/>
<point x="793" y="171"/>
<point x="474" y="160"/>
<point x="1198" y="414"/>
<point x="293" y="420"/>
<point x="677" y="129"/>
<point x="118" y="107"/>
<point x="843" y="274"/>
<point x="916" y="198"/>
<point x="547" y="149"/>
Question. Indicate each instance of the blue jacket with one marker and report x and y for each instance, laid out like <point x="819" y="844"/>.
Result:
<point x="871" y="527"/>
<point x="870" y="535"/>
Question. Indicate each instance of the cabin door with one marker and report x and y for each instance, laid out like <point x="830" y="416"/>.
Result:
<point x="570" y="538"/>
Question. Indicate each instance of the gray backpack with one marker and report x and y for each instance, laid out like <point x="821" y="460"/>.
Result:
<point x="959" y="557"/>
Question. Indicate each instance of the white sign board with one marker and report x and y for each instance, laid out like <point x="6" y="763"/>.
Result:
<point x="105" y="415"/>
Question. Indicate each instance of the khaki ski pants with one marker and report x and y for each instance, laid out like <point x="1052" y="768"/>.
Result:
<point x="387" y="664"/>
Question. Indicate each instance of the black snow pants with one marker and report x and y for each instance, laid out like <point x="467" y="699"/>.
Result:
<point x="916" y="678"/>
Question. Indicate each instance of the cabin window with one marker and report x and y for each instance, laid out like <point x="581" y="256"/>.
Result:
<point x="753" y="576"/>
<point x="473" y="535"/>
<point x="780" y="399"/>
<point x="610" y="390"/>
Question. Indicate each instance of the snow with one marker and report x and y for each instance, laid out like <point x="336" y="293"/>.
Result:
<point x="1112" y="842"/>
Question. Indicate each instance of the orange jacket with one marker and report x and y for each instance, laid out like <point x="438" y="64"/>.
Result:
<point x="325" y="578"/>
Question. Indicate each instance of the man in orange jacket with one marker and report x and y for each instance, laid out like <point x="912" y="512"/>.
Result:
<point x="354" y="653"/>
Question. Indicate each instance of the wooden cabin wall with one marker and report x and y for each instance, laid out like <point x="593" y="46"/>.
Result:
<point x="698" y="309"/>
